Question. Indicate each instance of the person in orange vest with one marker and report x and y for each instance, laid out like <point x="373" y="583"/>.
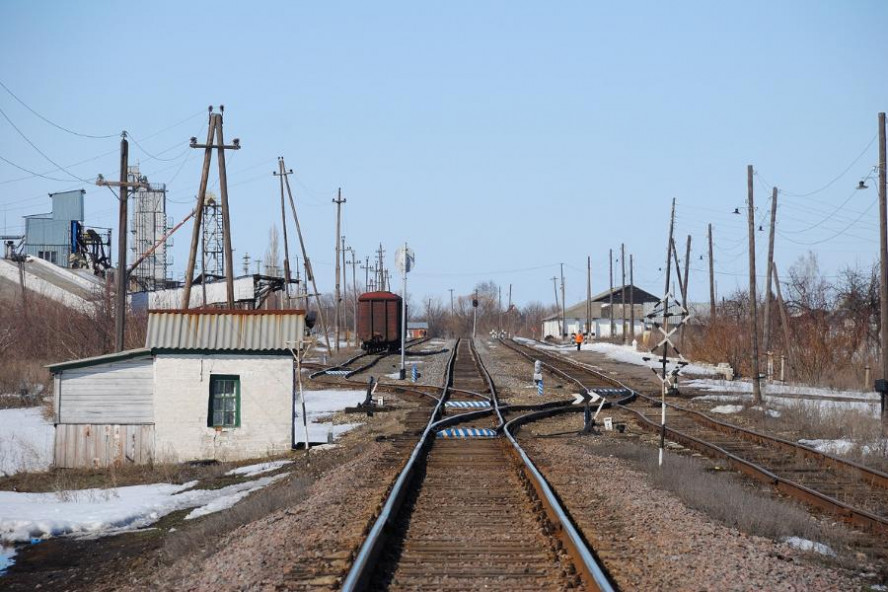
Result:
<point x="579" y="339"/>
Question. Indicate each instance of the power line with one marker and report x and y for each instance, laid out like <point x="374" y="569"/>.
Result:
<point x="33" y="174"/>
<point x="58" y="166"/>
<point x="52" y="123"/>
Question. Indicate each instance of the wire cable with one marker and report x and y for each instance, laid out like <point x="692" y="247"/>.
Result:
<point x="52" y="123"/>
<point x="58" y="166"/>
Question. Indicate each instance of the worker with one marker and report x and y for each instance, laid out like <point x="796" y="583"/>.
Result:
<point x="579" y="339"/>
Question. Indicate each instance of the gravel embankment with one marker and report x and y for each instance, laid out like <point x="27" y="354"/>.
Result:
<point x="649" y="538"/>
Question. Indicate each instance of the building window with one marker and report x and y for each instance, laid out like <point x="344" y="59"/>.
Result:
<point x="47" y="256"/>
<point x="224" y="409"/>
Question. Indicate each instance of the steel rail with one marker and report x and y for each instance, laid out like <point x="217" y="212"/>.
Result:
<point x="576" y="546"/>
<point x="360" y="569"/>
<point x="866" y="474"/>
<point x="782" y="484"/>
<point x="763" y="474"/>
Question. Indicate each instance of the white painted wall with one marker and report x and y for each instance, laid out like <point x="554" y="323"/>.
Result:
<point x="181" y="399"/>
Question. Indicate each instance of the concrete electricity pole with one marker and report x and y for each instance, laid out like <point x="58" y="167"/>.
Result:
<point x="753" y="316"/>
<point x="338" y="297"/>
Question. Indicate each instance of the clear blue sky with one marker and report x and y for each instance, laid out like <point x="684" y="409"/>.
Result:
<point x="499" y="139"/>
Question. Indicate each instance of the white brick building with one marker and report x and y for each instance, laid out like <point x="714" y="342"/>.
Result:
<point x="208" y="385"/>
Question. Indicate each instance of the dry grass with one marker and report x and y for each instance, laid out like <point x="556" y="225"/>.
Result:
<point x="722" y="495"/>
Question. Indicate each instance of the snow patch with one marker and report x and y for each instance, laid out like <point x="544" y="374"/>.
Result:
<point x="26" y="440"/>
<point x="252" y="470"/>
<point x="829" y="446"/>
<point x="806" y="545"/>
<point x="727" y="409"/>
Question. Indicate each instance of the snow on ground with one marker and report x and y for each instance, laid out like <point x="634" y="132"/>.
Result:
<point x="26" y="440"/>
<point x="621" y="353"/>
<point x="829" y="446"/>
<point x="31" y="517"/>
<point x="253" y="470"/>
<point x="28" y="516"/>
<point x="318" y="406"/>
<point x="726" y="409"/>
<point x="806" y="545"/>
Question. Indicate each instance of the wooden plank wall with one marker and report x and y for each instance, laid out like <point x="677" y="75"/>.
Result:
<point x="103" y="445"/>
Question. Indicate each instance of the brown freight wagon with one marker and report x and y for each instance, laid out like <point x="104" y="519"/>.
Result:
<point x="379" y="321"/>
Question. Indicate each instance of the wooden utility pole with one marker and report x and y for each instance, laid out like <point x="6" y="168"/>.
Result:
<point x="309" y="274"/>
<point x="684" y="287"/>
<point x="588" y="295"/>
<point x="226" y="219"/>
<point x="214" y="128"/>
<point x="883" y="284"/>
<point x="354" y="264"/>
<point x="631" y="298"/>
<point x="753" y="316"/>
<point x="557" y="302"/>
<point x="623" y="292"/>
<point x="201" y="197"/>
<point x="711" y="279"/>
<point x="767" y="322"/>
<point x="338" y="297"/>
<point x="883" y="257"/>
<point x="122" y="275"/>
<point x="787" y="335"/>
<point x="281" y="174"/>
<point x="610" y="297"/>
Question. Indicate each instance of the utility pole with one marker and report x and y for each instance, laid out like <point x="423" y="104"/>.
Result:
<point x="344" y="286"/>
<point x="711" y="279"/>
<point x="684" y="286"/>
<point x="354" y="265"/>
<point x="631" y="298"/>
<point x="557" y="304"/>
<point x="214" y="128"/>
<point x="588" y="295"/>
<point x="284" y="227"/>
<point x="611" y="295"/>
<point x="767" y="321"/>
<point x="883" y="256"/>
<point x="246" y="260"/>
<point x="623" y="291"/>
<point x="122" y="275"/>
<point x="451" y="301"/>
<point x="563" y="320"/>
<point x="309" y="274"/>
<point x="753" y="317"/>
<point x="338" y="298"/>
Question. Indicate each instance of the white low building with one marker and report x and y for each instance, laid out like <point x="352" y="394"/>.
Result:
<point x="602" y="310"/>
<point x="208" y="385"/>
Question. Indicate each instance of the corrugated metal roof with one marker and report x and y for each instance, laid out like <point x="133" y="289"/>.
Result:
<point x="228" y="330"/>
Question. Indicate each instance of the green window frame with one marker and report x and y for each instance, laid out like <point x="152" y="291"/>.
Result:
<point x="224" y="401"/>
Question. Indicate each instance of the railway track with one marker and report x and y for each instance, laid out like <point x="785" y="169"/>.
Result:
<point x="857" y="494"/>
<point x="469" y="511"/>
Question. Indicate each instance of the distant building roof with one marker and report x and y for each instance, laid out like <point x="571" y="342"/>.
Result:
<point x="228" y="330"/>
<point x="634" y="294"/>
<point x="417" y="325"/>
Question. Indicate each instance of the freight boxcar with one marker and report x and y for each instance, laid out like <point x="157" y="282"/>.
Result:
<point x="379" y="321"/>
